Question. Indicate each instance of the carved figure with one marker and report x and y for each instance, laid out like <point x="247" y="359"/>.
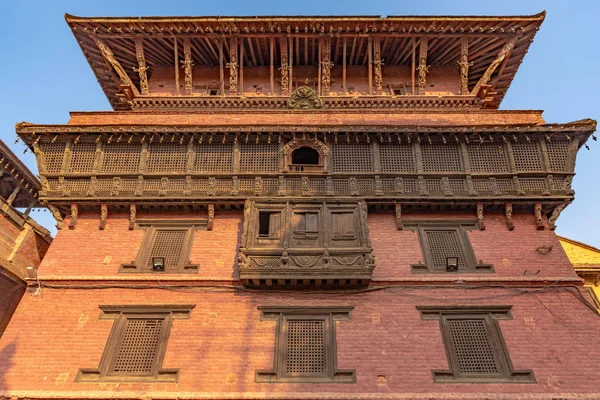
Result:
<point x="377" y="63"/>
<point x="508" y="211"/>
<point x="464" y="65"/>
<point x="304" y="98"/>
<point x="480" y="216"/>
<point x="326" y="65"/>
<point x="132" y="213"/>
<point x="232" y="65"/>
<point x="423" y="68"/>
<point x="111" y="59"/>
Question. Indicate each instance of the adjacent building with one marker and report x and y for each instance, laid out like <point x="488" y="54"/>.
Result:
<point x="586" y="261"/>
<point x="304" y="207"/>
<point x="23" y="242"/>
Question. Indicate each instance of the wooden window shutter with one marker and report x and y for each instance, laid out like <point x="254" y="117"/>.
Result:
<point x="305" y="347"/>
<point x="472" y="347"/>
<point x="169" y="244"/>
<point x="312" y="222"/>
<point x="343" y="225"/>
<point x="274" y="225"/>
<point x="138" y="347"/>
<point x="442" y="244"/>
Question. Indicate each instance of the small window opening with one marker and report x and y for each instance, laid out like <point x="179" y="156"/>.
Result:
<point x="269" y="224"/>
<point x="264" y="219"/>
<point x="305" y="156"/>
<point x="213" y="92"/>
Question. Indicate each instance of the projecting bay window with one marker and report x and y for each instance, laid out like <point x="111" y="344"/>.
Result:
<point x="474" y="345"/>
<point x="137" y="344"/>
<point x="305" y="346"/>
<point x="165" y="248"/>
<point x="446" y="248"/>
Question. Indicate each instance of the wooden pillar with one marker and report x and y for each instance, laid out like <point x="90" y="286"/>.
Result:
<point x="141" y="69"/>
<point x="370" y="51"/>
<point x="412" y="73"/>
<point x="377" y="63"/>
<point x="423" y="68"/>
<point x="291" y="67"/>
<point x="176" y="50"/>
<point x="344" y="83"/>
<point x="464" y="65"/>
<point x="271" y="63"/>
<point x="233" y="58"/>
<point x="241" y="85"/>
<point x="283" y="46"/>
<point x="326" y="65"/>
<point x="221" y="66"/>
<point x="187" y="66"/>
<point x="319" y="66"/>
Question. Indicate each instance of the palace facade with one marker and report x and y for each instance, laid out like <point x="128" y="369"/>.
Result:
<point x="304" y="207"/>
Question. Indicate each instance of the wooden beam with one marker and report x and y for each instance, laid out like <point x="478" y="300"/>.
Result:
<point x="306" y="51"/>
<point x="344" y="83"/>
<point x="221" y="66"/>
<point x="370" y="61"/>
<point x="110" y="58"/>
<point x="188" y="66"/>
<point x="141" y="69"/>
<point x="272" y="64"/>
<point x="176" y="68"/>
<point x="487" y="75"/>
<point x="254" y="64"/>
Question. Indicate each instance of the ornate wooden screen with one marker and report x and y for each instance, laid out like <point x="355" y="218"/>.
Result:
<point x="439" y="157"/>
<point x="305" y="349"/>
<point x="259" y="157"/>
<point x="120" y="158"/>
<point x="166" y="157"/>
<point x="474" y="345"/>
<point x="137" y="343"/>
<point x="213" y="157"/>
<point x="52" y="155"/>
<point x="527" y="156"/>
<point x="351" y="157"/>
<point x="487" y="157"/>
<point x="397" y="157"/>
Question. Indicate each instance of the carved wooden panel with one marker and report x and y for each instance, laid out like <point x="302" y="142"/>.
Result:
<point x="487" y="157"/>
<point x="439" y="157"/>
<point x="259" y="157"/>
<point x="558" y="154"/>
<point x="83" y="156"/>
<point x="52" y="154"/>
<point x="213" y="157"/>
<point x="166" y="157"/>
<point x="138" y="347"/>
<point x="527" y="156"/>
<point x="397" y="157"/>
<point x="351" y="157"/>
<point x="119" y="158"/>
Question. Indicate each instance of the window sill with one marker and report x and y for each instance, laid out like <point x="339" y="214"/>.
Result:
<point x="479" y="269"/>
<point x="94" y="375"/>
<point x="525" y="376"/>
<point x="340" y="376"/>
<point x="135" y="269"/>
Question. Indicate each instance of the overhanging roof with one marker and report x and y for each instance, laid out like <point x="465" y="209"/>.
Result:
<point x="486" y="36"/>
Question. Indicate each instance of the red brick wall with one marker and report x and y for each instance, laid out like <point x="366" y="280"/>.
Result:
<point x="224" y="342"/>
<point x="10" y="295"/>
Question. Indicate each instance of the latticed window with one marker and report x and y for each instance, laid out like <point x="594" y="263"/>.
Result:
<point x="527" y="156"/>
<point x="474" y="345"/>
<point x="52" y="155"/>
<point x="137" y="344"/>
<point x="352" y="157"/>
<point x="444" y="244"/>
<point x="305" y="347"/>
<point x="165" y="248"/>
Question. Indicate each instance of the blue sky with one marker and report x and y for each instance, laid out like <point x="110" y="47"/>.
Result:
<point x="44" y="75"/>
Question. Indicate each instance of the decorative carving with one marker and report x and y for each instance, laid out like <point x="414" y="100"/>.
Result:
<point x="212" y="186"/>
<point x="233" y="65"/>
<point x="353" y="185"/>
<point x="247" y="209"/>
<point x="283" y="45"/>
<point x="305" y="187"/>
<point x="363" y="211"/>
<point x="480" y="216"/>
<point x="132" y="212"/>
<point x="164" y="186"/>
<point x="281" y="186"/>
<point x="187" y="186"/>
<point x="74" y="213"/>
<point x="539" y="216"/>
<point x="141" y="69"/>
<point x="494" y="186"/>
<point x="258" y="186"/>
<point x="188" y="66"/>
<point x="470" y="188"/>
<point x="139" y="187"/>
<point x="211" y="217"/>
<point x="116" y="186"/>
<point x="103" y="216"/>
<point x="329" y="186"/>
<point x="508" y="211"/>
<point x="57" y="217"/>
<point x="517" y="184"/>
<point x="45" y="186"/>
<point x="399" y="185"/>
<point x="555" y="214"/>
<point x="446" y="186"/>
<point x="304" y="98"/>
<point x="502" y="54"/>
<point x="346" y="261"/>
<point x="422" y="187"/>
<point x="378" y="187"/>
<point x="398" y="216"/>
<point x="423" y="68"/>
<point x="304" y="261"/>
<point x="567" y="185"/>
<point x="326" y="65"/>
<point x="235" y="185"/>
<point x="91" y="190"/>
<point x="111" y="59"/>
<point x="464" y="65"/>
<point x="62" y="186"/>
<point x="377" y="63"/>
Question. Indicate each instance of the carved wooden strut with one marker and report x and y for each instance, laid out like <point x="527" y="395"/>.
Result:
<point x="141" y="69"/>
<point x="233" y="65"/>
<point x="377" y="63"/>
<point x="188" y="66"/>
<point x="464" y="65"/>
<point x="423" y="68"/>
<point x="326" y="65"/>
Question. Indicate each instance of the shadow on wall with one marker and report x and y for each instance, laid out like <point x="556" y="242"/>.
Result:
<point x="6" y="354"/>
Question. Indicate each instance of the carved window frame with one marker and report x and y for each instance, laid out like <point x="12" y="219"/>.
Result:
<point x="273" y="240"/>
<point x="151" y="227"/>
<point x="329" y="315"/>
<point x="467" y="253"/>
<point x="490" y="315"/>
<point x="120" y="314"/>
<point x="314" y="144"/>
